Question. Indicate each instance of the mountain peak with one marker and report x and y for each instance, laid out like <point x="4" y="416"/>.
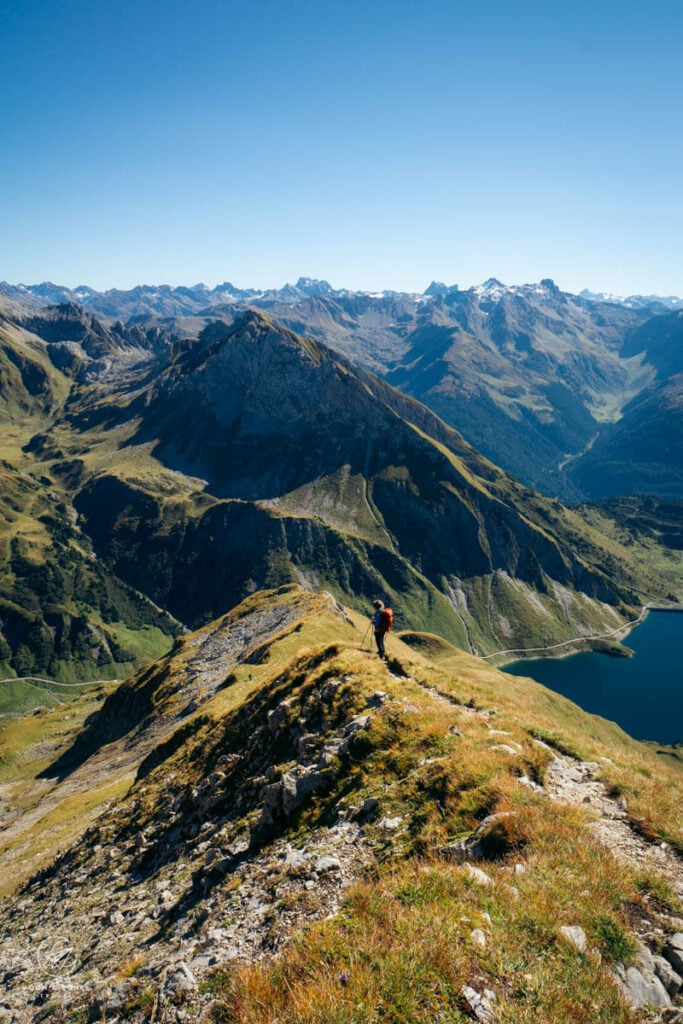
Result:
<point x="437" y="288"/>
<point x="312" y="286"/>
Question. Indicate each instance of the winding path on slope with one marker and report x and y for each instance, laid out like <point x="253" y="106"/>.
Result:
<point x="588" y="639"/>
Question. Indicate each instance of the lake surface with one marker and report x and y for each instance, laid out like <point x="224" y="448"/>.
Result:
<point x="644" y="694"/>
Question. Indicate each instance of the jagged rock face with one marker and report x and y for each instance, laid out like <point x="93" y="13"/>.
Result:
<point x="69" y="323"/>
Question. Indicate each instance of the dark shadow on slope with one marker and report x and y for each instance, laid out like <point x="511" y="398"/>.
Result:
<point x="121" y="713"/>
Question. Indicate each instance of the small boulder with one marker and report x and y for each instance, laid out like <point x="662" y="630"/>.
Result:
<point x="478" y="1004"/>
<point x="477" y="875"/>
<point x="325" y="865"/>
<point x="390" y="824"/>
<point x="673" y="951"/>
<point x="575" y="936"/>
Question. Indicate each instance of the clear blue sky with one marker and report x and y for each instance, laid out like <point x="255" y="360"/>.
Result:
<point x="375" y="144"/>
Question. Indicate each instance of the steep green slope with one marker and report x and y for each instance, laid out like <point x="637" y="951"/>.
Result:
<point x="313" y="470"/>
<point x="270" y="788"/>
<point x="63" y="614"/>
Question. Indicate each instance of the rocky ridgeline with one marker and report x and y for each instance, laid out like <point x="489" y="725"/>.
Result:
<point x="231" y="841"/>
<point x="129" y="924"/>
<point x="143" y="907"/>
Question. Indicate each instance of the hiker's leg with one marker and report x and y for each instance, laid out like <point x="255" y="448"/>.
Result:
<point x="380" y="645"/>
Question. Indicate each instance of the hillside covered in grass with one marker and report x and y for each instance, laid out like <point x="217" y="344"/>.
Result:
<point x="63" y="614"/>
<point x="254" y="457"/>
<point x="148" y="483"/>
<point x="272" y="824"/>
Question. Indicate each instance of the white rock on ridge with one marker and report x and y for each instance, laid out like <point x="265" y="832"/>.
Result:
<point x="390" y="824"/>
<point x="327" y="864"/>
<point x="477" y="875"/>
<point x="575" y="936"/>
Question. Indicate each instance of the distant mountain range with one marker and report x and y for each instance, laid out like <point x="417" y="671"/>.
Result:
<point x="573" y="394"/>
<point x="169" y="300"/>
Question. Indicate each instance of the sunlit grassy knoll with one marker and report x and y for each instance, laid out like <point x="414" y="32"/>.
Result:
<point x="18" y="696"/>
<point x="21" y="504"/>
<point x="148" y="642"/>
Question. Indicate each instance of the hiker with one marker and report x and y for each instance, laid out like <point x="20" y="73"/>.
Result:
<point x="382" y="622"/>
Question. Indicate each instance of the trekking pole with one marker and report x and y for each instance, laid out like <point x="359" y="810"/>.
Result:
<point x="362" y="643"/>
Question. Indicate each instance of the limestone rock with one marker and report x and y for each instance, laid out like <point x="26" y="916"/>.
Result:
<point x="477" y="875"/>
<point x="480" y="1005"/>
<point x="642" y="988"/>
<point x="389" y="824"/>
<point x="327" y="864"/>
<point x="179" y="982"/>
<point x="574" y="935"/>
<point x="673" y="951"/>
<point x="670" y="979"/>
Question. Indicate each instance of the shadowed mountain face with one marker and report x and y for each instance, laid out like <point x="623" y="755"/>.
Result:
<point x="317" y="471"/>
<point x="642" y="452"/>
<point x="254" y="458"/>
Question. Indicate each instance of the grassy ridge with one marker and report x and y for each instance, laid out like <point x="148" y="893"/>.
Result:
<point x="446" y="747"/>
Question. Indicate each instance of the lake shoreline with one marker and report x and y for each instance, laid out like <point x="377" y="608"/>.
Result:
<point x="641" y="693"/>
<point x="585" y="645"/>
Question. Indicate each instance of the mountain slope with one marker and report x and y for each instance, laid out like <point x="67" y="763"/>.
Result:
<point x="257" y="458"/>
<point x="261" y="773"/>
<point x="62" y="613"/>
<point x="642" y="453"/>
<point x="529" y="374"/>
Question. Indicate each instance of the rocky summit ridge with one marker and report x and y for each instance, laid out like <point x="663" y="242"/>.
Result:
<point x="304" y="833"/>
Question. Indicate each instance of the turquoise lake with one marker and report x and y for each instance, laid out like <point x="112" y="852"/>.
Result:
<point x="644" y="694"/>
